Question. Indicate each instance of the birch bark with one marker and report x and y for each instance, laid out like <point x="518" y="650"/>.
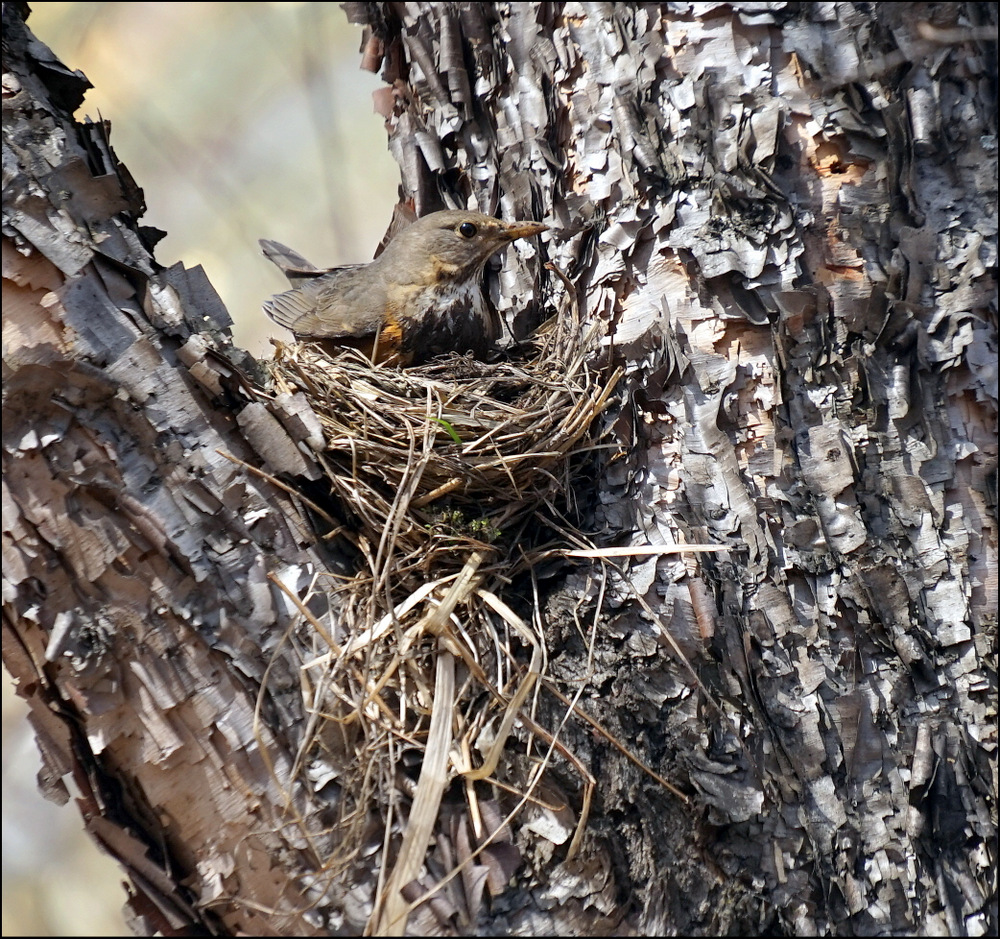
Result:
<point x="784" y="217"/>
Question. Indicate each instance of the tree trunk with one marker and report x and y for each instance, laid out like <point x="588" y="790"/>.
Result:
<point x="783" y="219"/>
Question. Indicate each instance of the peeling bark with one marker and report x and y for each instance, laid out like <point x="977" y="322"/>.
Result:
<point x="138" y="617"/>
<point x="784" y="218"/>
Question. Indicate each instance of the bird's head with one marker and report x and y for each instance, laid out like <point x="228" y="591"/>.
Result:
<point x="452" y="245"/>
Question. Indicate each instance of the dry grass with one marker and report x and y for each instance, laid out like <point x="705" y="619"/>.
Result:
<point x="460" y="456"/>
<point x="454" y="478"/>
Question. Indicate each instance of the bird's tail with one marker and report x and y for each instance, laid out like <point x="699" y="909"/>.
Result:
<point x="295" y="267"/>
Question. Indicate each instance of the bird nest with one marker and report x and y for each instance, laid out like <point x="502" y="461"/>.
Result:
<point x="432" y="463"/>
<point x="449" y="480"/>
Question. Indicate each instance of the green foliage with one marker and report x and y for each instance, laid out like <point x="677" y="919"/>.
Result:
<point x="454" y="523"/>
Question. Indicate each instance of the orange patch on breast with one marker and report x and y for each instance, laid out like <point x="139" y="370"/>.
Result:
<point x="389" y="339"/>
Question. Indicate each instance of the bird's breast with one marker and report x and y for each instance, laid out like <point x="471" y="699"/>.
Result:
<point x="448" y="317"/>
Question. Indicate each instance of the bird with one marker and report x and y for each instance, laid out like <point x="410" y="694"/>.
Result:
<point x="421" y="297"/>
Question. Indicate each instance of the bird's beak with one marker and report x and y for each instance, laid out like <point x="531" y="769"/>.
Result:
<point x="524" y="229"/>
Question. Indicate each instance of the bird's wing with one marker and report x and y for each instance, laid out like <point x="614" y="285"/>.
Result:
<point x="334" y="306"/>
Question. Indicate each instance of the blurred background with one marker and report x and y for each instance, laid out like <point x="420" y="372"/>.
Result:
<point x="239" y="121"/>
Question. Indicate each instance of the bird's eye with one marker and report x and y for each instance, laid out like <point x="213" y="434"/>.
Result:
<point x="467" y="230"/>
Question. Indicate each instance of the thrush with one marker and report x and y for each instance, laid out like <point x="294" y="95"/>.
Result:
<point x="421" y="297"/>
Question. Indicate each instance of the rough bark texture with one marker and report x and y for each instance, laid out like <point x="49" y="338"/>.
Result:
<point x="138" y="617"/>
<point x="785" y="217"/>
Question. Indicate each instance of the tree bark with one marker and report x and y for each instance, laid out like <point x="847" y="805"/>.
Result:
<point x="783" y="217"/>
<point x="139" y="619"/>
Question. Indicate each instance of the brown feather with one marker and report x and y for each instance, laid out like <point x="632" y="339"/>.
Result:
<point x="422" y="296"/>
